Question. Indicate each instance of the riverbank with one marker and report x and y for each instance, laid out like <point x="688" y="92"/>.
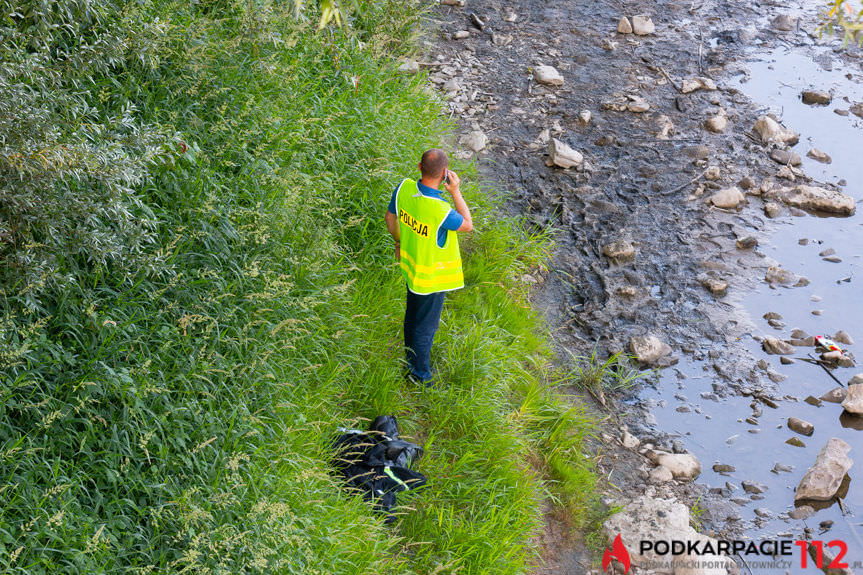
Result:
<point x="664" y="206"/>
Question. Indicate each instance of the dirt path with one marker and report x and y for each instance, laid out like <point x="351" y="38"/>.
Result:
<point x="650" y="166"/>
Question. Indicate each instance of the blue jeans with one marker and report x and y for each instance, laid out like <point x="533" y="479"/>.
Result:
<point x="422" y="318"/>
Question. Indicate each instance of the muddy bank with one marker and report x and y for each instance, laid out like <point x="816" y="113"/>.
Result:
<point x="665" y="193"/>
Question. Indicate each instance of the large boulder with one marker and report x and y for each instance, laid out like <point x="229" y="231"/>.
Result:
<point x="648" y="519"/>
<point x="818" y="199"/>
<point x="824" y="478"/>
<point x="771" y="131"/>
<point x="853" y="402"/>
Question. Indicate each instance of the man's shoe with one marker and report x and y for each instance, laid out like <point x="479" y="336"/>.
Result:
<point x="427" y="383"/>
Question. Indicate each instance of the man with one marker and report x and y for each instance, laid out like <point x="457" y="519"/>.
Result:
<point x="424" y="226"/>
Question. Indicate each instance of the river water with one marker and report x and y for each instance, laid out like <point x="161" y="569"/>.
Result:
<point x="717" y="431"/>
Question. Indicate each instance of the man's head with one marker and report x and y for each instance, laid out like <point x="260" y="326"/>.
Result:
<point x="433" y="164"/>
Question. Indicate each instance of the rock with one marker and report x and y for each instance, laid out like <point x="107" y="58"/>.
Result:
<point x="857" y="109"/>
<point x="683" y="466"/>
<point x="818" y="199"/>
<point x="461" y="35"/>
<point x="700" y="83"/>
<point x="624" y="26"/>
<point x="835" y="395"/>
<point x="660" y="474"/>
<point x="853" y="402"/>
<point x="475" y="141"/>
<point x="666" y="127"/>
<point x="772" y="209"/>
<point x="786" y="157"/>
<point x="712" y="173"/>
<point x="786" y="360"/>
<point x="784" y="23"/>
<point x="477" y="22"/>
<point x="746" y="183"/>
<point x="746" y="242"/>
<point x="584" y="116"/>
<point x="717" y="123"/>
<point x="638" y="105"/>
<point x="452" y="2"/>
<point x="510" y="17"/>
<point x="723" y="468"/>
<point x="649" y="349"/>
<point x="561" y="155"/>
<point x="787" y="173"/>
<point x="777" y="275"/>
<point x="409" y="67"/>
<point x="776" y="346"/>
<point x="642" y="25"/>
<point x="800" y="426"/>
<point x="780" y="468"/>
<point x="802" y="512"/>
<point x="816" y="97"/>
<point x="697" y="152"/>
<point x="823" y="479"/>
<point x="715" y="286"/>
<point x="842" y="336"/>
<point x="763" y="512"/>
<point x="753" y="487"/>
<point x="547" y="75"/>
<point x="795" y="441"/>
<point x="819" y="156"/>
<point x="646" y="518"/>
<point x="451" y="85"/>
<point x="619" y="250"/>
<point x="771" y="131"/>
<point x="729" y="198"/>
<point x="628" y="440"/>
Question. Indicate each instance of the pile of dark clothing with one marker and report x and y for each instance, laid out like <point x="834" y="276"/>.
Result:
<point x="377" y="463"/>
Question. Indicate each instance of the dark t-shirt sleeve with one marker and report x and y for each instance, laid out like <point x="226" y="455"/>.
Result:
<point x="392" y="208"/>
<point x="453" y="220"/>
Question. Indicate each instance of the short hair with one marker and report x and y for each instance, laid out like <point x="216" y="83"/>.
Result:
<point x="433" y="163"/>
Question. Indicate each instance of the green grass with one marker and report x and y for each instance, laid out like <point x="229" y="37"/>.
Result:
<point x="177" y="420"/>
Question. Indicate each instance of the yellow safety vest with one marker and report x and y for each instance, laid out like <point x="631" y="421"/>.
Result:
<point x="427" y="268"/>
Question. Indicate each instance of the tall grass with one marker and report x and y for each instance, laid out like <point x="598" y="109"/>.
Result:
<point x="176" y="418"/>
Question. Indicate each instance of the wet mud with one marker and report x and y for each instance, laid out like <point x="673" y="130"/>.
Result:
<point x="696" y="279"/>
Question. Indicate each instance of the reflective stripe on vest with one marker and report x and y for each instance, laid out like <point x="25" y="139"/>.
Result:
<point x="426" y="267"/>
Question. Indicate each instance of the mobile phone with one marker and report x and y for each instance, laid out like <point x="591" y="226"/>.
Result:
<point x="446" y="177"/>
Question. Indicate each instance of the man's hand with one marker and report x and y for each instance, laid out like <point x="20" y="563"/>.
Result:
<point x="454" y="181"/>
<point x="460" y="206"/>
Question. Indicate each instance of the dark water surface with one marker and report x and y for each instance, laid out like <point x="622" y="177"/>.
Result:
<point x="720" y="434"/>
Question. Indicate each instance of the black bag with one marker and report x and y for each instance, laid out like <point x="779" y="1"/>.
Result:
<point x="378" y="464"/>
